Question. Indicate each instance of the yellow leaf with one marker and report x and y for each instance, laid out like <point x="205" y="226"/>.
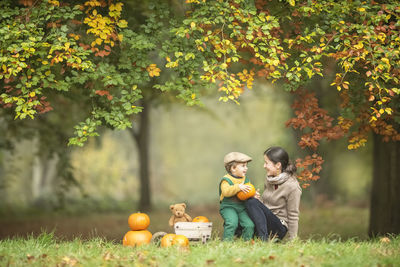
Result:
<point x="359" y="45"/>
<point x="350" y="147"/>
<point x="361" y="9"/>
<point x="193" y="96"/>
<point x="47" y="73"/>
<point x="32" y="94"/>
<point x="153" y="70"/>
<point x="103" y="36"/>
<point x="122" y="23"/>
<point x="292" y="2"/>
<point x="192" y="24"/>
<point x="386" y="60"/>
<point x="178" y="54"/>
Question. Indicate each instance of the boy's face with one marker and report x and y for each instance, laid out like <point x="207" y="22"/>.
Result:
<point x="239" y="169"/>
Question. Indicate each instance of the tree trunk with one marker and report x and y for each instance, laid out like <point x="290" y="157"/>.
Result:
<point x="142" y="138"/>
<point x="44" y="175"/>
<point x="385" y="192"/>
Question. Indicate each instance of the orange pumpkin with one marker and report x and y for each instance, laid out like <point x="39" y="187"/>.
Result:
<point x="138" y="221"/>
<point x="167" y="240"/>
<point x="136" y="238"/>
<point x="243" y="196"/>
<point x="200" y="219"/>
<point x="181" y="241"/>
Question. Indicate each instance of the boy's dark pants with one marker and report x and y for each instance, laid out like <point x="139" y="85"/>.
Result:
<point x="265" y="221"/>
<point x="234" y="214"/>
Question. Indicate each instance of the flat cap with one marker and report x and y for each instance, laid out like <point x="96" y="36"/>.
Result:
<point x="236" y="156"/>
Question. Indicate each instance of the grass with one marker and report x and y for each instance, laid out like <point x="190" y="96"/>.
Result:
<point x="315" y="222"/>
<point x="329" y="236"/>
<point x="46" y="250"/>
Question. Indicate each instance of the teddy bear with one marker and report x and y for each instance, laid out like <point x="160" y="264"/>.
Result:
<point x="178" y="214"/>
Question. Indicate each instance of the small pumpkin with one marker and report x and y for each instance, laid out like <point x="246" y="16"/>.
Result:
<point x="167" y="240"/>
<point x="181" y="241"/>
<point x="200" y="219"/>
<point x="243" y="196"/>
<point x="136" y="238"/>
<point x="138" y="221"/>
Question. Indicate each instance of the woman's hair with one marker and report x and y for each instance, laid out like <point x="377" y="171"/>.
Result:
<point x="277" y="154"/>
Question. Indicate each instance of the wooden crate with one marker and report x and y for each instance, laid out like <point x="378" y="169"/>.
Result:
<point x="194" y="230"/>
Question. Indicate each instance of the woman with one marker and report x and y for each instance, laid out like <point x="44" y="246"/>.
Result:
<point x="278" y="212"/>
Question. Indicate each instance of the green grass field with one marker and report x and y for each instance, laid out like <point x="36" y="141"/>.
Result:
<point x="329" y="236"/>
<point x="45" y="250"/>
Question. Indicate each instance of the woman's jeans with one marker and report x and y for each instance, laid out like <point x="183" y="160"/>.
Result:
<point x="266" y="223"/>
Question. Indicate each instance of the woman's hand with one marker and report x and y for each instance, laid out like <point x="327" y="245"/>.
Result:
<point x="245" y="188"/>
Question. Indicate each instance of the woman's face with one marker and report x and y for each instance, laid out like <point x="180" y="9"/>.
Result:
<point x="273" y="169"/>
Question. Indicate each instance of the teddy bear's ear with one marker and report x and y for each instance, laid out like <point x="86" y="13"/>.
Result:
<point x="184" y="205"/>
<point x="171" y="207"/>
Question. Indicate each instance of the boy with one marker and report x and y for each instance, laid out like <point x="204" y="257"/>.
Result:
<point x="232" y="209"/>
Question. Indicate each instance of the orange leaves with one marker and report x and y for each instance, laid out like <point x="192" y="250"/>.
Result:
<point x="104" y="92"/>
<point x="26" y="2"/>
<point x="153" y="70"/>
<point x="318" y="124"/>
<point x="247" y="77"/>
<point x="309" y="167"/>
<point x="310" y="116"/>
<point x="102" y="53"/>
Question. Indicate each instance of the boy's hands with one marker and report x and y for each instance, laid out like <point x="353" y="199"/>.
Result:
<point x="245" y="188"/>
<point x="257" y="195"/>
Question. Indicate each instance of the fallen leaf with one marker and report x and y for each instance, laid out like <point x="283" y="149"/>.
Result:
<point x="271" y="257"/>
<point x="30" y="257"/>
<point x="141" y="257"/>
<point x="385" y="240"/>
<point x="239" y="260"/>
<point x="69" y="261"/>
<point x="107" y="256"/>
<point x="209" y="262"/>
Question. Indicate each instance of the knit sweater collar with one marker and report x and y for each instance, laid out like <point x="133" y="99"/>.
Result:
<point x="279" y="179"/>
<point x="234" y="176"/>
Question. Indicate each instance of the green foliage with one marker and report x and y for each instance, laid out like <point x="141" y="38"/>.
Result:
<point x="34" y="54"/>
<point x="44" y="51"/>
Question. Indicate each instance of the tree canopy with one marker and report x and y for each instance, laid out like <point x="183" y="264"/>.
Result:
<point x="88" y="51"/>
